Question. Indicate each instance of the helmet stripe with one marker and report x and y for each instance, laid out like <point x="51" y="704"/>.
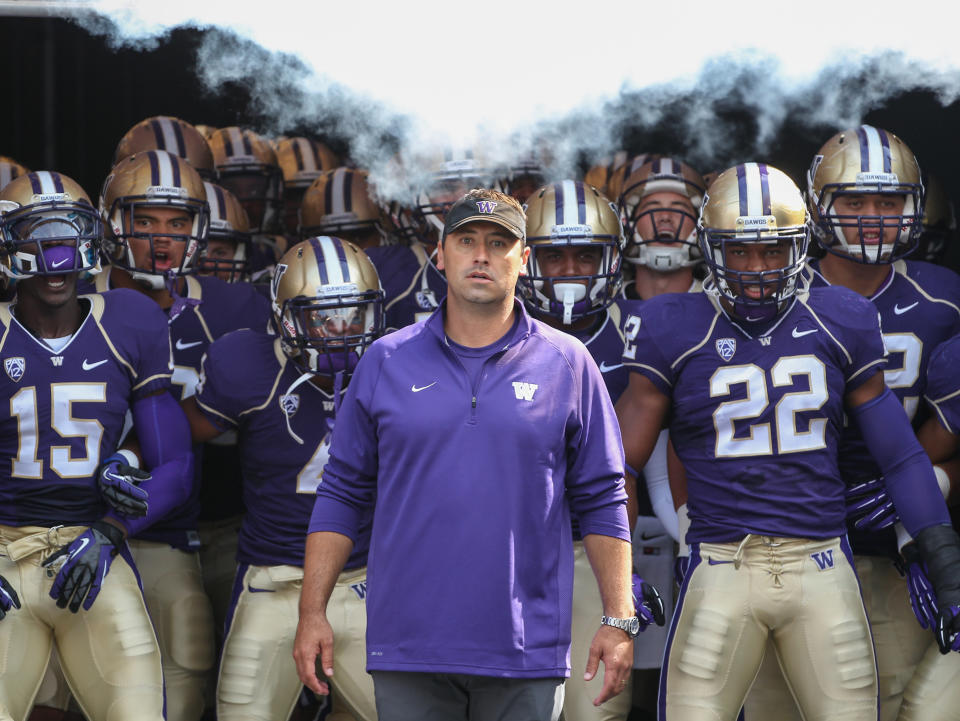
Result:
<point x="742" y="190"/>
<point x="158" y="134"/>
<point x="178" y="138"/>
<point x="318" y="254"/>
<point x="230" y="141"/>
<point x="874" y="150"/>
<point x="885" y="144"/>
<point x="347" y="191"/>
<point x="342" y="258"/>
<point x="581" y="205"/>
<point x="247" y="145"/>
<point x="57" y="182"/>
<point x="337" y="206"/>
<point x="328" y="192"/>
<point x="154" y="167"/>
<point x="765" y="189"/>
<point x="36" y="183"/>
<point x="558" y="200"/>
<point x="297" y="153"/>
<point x="221" y="203"/>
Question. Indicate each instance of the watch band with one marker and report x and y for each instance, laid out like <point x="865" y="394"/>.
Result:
<point x="630" y="626"/>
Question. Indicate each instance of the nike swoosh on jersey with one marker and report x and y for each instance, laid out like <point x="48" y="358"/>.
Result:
<point x="87" y="366"/>
<point x="259" y="590"/>
<point x="604" y="368"/>
<point x="417" y="390"/>
<point x="183" y="346"/>
<point x="716" y="563"/>
<point x="797" y="333"/>
<point x="900" y="311"/>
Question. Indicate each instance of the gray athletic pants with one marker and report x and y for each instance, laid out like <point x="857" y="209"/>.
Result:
<point x="408" y="696"/>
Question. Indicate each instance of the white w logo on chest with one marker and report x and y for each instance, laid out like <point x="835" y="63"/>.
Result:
<point x="524" y="391"/>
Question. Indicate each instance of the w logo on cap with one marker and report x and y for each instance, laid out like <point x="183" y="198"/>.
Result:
<point x="486" y="206"/>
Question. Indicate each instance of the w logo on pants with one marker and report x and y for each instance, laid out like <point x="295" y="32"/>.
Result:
<point x="824" y="559"/>
<point x="524" y="391"/>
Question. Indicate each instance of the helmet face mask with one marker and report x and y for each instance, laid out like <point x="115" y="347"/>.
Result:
<point x="754" y="237"/>
<point x="867" y="167"/>
<point x="327" y="305"/>
<point x="568" y="219"/>
<point x="247" y="166"/>
<point x="48" y="227"/>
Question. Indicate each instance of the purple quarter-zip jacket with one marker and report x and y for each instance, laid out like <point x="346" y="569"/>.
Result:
<point x="471" y="558"/>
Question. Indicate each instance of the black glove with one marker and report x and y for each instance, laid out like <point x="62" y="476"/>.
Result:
<point x="940" y="549"/>
<point x="647" y="604"/>
<point x="85" y="563"/>
<point x="8" y="597"/>
<point x="119" y="486"/>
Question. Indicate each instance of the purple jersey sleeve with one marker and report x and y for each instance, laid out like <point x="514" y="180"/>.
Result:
<point x="138" y="328"/>
<point x="217" y="394"/>
<point x="943" y="384"/>
<point x="646" y="347"/>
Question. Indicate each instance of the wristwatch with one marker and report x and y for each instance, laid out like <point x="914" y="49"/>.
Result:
<point x="629" y="625"/>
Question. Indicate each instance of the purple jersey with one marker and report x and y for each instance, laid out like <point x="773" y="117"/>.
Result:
<point x="411" y="283"/>
<point x="606" y="345"/>
<point x="756" y="419"/>
<point x="67" y="408"/>
<point x="242" y="387"/>
<point x="919" y="306"/>
<point x="943" y="384"/>
<point x="212" y="309"/>
<point x="471" y="562"/>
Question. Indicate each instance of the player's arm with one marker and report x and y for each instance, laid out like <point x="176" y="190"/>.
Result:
<point x="641" y="412"/>
<point x="326" y="554"/>
<point x="202" y="428"/>
<point x="913" y="487"/>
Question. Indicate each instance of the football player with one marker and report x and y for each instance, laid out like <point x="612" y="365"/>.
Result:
<point x="327" y="307"/>
<point x="865" y="196"/>
<point x="173" y="135"/>
<point x="227" y="251"/>
<point x="754" y="384"/>
<point x="75" y="367"/>
<point x="523" y="177"/>
<point x="301" y="161"/>
<point x="156" y="215"/>
<point x="340" y="203"/>
<point x="413" y="285"/>
<point x="572" y="281"/>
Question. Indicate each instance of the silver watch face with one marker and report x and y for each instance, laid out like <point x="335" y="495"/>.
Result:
<point x="634" y="626"/>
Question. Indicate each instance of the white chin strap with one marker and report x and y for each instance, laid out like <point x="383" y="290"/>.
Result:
<point x="663" y="258"/>
<point x="568" y="294"/>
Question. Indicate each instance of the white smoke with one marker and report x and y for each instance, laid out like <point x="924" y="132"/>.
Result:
<point x="579" y="79"/>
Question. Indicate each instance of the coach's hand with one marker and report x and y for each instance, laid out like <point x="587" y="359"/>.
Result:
<point x="615" y="648"/>
<point x="314" y="639"/>
<point x="120" y="486"/>
<point x="8" y="597"/>
<point x="84" y="564"/>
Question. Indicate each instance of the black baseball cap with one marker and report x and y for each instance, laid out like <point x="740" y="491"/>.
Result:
<point x="470" y="209"/>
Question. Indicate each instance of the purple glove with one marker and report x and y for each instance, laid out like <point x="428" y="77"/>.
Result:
<point x="84" y="564"/>
<point x="8" y="597"/>
<point x="922" y="598"/>
<point x="869" y="506"/>
<point x="647" y="604"/>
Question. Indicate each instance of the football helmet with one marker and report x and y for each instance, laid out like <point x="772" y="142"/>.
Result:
<point x="301" y="160"/>
<point x="327" y="304"/>
<point x="152" y="180"/>
<point x="599" y="174"/>
<point x="523" y="177"/>
<point x="339" y="203"/>
<point x="206" y="131"/>
<point x="450" y="176"/>
<point x="10" y="169"/>
<point x="48" y="226"/>
<point x="860" y="162"/>
<point x="174" y="135"/>
<point x="939" y="221"/>
<point x="753" y="203"/>
<point x="247" y="167"/>
<point x="229" y="226"/>
<point x="618" y="174"/>
<point x="571" y="214"/>
<point x="655" y="226"/>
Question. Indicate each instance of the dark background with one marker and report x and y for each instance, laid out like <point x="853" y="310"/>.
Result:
<point x="68" y="98"/>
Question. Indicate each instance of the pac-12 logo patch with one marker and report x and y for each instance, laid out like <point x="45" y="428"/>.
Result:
<point x="15" y="367"/>
<point x="290" y="404"/>
<point x="426" y="299"/>
<point x="726" y="347"/>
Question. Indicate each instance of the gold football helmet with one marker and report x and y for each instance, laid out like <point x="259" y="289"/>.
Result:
<point x="227" y="252"/>
<point x="9" y="170"/>
<point x="302" y="160"/>
<point x="939" y="221"/>
<point x="749" y="204"/>
<point x="174" y="135"/>
<point x="599" y="174"/>
<point x="523" y="176"/>
<point x="327" y="304"/>
<point x="137" y="196"/>
<point x="48" y="226"/>
<point x="624" y="169"/>
<point x="247" y="167"/>
<point x="571" y="215"/>
<point x="340" y="203"/>
<point x="206" y="131"/>
<point x="451" y="173"/>
<point x="659" y="204"/>
<point x="861" y="162"/>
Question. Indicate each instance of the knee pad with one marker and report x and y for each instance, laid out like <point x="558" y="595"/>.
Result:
<point x="190" y="632"/>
